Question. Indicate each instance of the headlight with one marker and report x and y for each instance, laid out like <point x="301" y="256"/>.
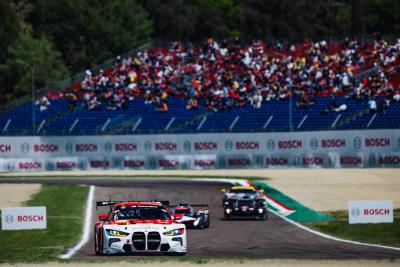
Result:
<point x="115" y="233"/>
<point x="228" y="211"/>
<point x="175" y="232"/>
<point x="196" y="222"/>
<point x="260" y="210"/>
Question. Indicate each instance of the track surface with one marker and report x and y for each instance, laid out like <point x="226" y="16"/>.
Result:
<point x="274" y="238"/>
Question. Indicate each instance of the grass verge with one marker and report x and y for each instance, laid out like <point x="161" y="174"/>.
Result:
<point x="382" y="233"/>
<point x="65" y="206"/>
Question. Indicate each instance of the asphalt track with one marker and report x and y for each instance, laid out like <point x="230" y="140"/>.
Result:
<point x="274" y="238"/>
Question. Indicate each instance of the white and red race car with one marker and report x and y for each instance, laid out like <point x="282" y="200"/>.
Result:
<point x="186" y="214"/>
<point x="138" y="227"/>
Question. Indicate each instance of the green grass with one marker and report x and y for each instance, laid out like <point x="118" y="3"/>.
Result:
<point x="65" y="206"/>
<point x="382" y="233"/>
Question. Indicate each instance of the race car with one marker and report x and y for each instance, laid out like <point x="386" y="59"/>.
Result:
<point x="244" y="201"/>
<point x="241" y="192"/>
<point x="198" y="219"/>
<point x="138" y="227"/>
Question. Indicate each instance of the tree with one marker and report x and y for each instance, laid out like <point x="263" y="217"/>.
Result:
<point x="29" y="55"/>
<point x="9" y="28"/>
<point x="89" y="32"/>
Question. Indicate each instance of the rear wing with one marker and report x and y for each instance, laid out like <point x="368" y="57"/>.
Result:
<point x="111" y="203"/>
<point x="191" y="205"/>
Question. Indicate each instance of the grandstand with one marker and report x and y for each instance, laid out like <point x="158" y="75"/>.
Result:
<point x="225" y="87"/>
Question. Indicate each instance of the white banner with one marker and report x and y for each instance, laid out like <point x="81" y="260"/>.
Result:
<point x="370" y="211"/>
<point x="322" y="149"/>
<point x="23" y="218"/>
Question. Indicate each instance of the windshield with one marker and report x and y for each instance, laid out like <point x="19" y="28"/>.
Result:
<point x="141" y="213"/>
<point x="186" y="212"/>
<point x="242" y="191"/>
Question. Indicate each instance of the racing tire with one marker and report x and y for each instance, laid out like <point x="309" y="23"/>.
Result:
<point x="96" y="249"/>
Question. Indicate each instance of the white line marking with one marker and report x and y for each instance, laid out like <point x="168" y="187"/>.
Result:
<point x="86" y="227"/>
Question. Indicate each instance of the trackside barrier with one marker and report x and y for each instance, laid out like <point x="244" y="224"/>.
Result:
<point x="327" y="149"/>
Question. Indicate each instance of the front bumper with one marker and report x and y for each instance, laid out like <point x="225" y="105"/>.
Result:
<point x="145" y="242"/>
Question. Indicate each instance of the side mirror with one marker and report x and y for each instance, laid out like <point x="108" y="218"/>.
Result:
<point x="223" y="190"/>
<point x="103" y="217"/>
<point x="177" y="216"/>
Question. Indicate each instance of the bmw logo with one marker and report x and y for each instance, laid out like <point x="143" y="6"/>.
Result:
<point x="355" y="212"/>
<point x="108" y="147"/>
<point x="314" y="144"/>
<point x="25" y="148"/>
<point x="83" y="165"/>
<point x="9" y="218"/>
<point x="357" y="142"/>
<point x="147" y="146"/>
<point x="68" y="148"/>
<point x="187" y="146"/>
<point x="271" y="144"/>
<point x="228" y="145"/>
<point x="117" y="163"/>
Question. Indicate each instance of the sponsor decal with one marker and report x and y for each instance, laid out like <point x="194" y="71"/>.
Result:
<point x="10" y="166"/>
<point x="205" y="146"/>
<point x="247" y="145"/>
<point x="204" y="163"/>
<point x="277" y="161"/>
<point x="168" y="163"/>
<point x="228" y="145"/>
<point x="389" y="160"/>
<point x="9" y="218"/>
<point x="357" y="142"/>
<point x="80" y="148"/>
<point x="307" y="161"/>
<point x="4" y="148"/>
<point x="350" y="160"/>
<point x="49" y="166"/>
<point x="65" y="165"/>
<point x="377" y="142"/>
<point x="165" y="146"/>
<point x="290" y="144"/>
<point x="333" y="143"/>
<point x="45" y="148"/>
<point x="222" y="162"/>
<point x="239" y="162"/>
<point x="187" y="146"/>
<point x="355" y="212"/>
<point x="30" y="218"/>
<point x="99" y="164"/>
<point x="147" y="146"/>
<point x="29" y="165"/>
<point x="25" y="148"/>
<point x="125" y="147"/>
<point x="314" y="143"/>
<point x="133" y="163"/>
<point x="270" y="144"/>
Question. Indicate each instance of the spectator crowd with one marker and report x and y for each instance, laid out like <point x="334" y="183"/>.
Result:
<point x="221" y="75"/>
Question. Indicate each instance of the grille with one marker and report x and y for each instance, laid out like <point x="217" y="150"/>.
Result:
<point x="139" y="240"/>
<point x="153" y="240"/>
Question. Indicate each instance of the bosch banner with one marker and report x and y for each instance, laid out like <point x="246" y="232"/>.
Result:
<point x="23" y="218"/>
<point x="371" y="211"/>
<point x="326" y="149"/>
